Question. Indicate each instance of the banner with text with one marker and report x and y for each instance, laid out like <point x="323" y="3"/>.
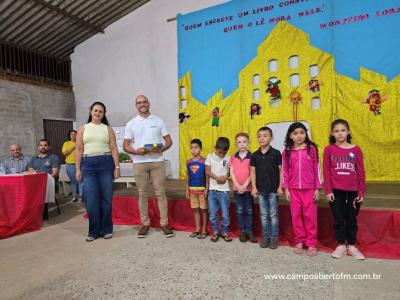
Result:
<point x="248" y="63"/>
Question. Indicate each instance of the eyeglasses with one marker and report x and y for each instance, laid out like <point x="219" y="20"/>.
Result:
<point x="141" y="102"/>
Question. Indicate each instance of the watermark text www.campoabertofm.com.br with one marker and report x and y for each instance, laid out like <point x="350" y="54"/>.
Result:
<point x="323" y="276"/>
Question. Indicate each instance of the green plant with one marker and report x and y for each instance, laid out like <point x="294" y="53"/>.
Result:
<point x="123" y="156"/>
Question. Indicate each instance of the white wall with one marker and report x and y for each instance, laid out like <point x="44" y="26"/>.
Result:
<point x="136" y="55"/>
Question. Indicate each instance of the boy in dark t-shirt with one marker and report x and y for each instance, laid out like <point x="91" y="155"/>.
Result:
<point x="266" y="165"/>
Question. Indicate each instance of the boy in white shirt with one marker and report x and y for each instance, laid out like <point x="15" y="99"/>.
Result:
<point x="217" y="169"/>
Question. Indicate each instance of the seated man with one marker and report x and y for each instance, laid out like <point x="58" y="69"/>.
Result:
<point x="18" y="162"/>
<point x="45" y="161"/>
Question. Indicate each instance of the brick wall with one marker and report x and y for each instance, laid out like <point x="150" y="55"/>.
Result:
<point x="23" y="107"/>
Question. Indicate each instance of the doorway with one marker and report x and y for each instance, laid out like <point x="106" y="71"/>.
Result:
<point x="56" y="131"/>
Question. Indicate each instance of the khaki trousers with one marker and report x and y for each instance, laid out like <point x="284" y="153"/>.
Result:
<point x="154" y="171"/>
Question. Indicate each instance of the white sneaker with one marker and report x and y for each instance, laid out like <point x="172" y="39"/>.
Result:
<point x="353" y="251"/>
<point x="340" y="251"/>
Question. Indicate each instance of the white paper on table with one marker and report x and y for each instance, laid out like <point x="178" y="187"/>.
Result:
<point x="50" y="190"/>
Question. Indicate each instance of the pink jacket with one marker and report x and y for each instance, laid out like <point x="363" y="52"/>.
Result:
<point x="344" y="169"/>
<point x="302" y="171"/>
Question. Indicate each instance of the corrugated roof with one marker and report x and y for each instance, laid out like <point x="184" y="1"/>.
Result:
<point x="55" y="27"/>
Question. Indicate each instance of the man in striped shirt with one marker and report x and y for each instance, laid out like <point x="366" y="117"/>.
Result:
<point x="18" y="162"/>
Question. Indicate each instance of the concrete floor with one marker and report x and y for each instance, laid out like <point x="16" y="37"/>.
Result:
<point x="56" y="263"/>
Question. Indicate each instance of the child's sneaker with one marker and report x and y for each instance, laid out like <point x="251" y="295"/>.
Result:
<point x="251" y="237"/>
<point x="243" y="237"/>
<point x="340" y="251"/>
<point x="107" y="236"/>
<point x="264" y="243"/>
<point x="353" y="251"/>
<point x="273" y="244"/>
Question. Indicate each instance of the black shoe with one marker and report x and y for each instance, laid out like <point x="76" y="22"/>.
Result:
<point x="167" y="231"/>
<point x="251" y="237"/>
<point x="243" y="237"/>
<point x="143" y="231"/>
<point x="264" y="243"/>
<point x="273" y="243"/>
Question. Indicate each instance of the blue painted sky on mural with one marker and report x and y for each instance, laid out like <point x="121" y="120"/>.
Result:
<point x="216" y="58"/>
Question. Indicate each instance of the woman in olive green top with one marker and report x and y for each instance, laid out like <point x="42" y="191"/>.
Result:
<point x="97" y="154"/>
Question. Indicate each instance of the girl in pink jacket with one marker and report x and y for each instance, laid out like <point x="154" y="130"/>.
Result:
<point x="301" y="182"/>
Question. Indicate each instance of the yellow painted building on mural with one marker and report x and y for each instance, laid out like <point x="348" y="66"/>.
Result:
<point x="286" y="55"/>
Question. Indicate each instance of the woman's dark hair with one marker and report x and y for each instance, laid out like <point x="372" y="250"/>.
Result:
<point x="289" y="142"/>
<point x="104" y="119"/>
<point x="69" y="134"/>
<point x="345" y="124"/>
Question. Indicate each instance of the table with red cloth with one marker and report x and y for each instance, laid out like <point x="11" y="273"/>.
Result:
<point x="21" y="203"/>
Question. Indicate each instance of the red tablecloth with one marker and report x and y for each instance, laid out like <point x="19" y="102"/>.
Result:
<point x="21" y="203"/>
<point x="378" y="235"/>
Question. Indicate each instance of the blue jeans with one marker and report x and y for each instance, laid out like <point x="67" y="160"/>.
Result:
<point x="98" y="177"/>
<point x="244" y="211"/>
<point x="76" y="187"/>
<point x="269" y="215"/>
<point x="219" y="200"/>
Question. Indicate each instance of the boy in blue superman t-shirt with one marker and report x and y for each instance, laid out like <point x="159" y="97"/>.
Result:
<point x="197" y="188"/>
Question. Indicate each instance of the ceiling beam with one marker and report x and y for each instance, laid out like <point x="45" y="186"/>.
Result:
<point x="35" y="23"/>
<point x="71" y="31"/>
<point x="72" y="36"/>
<point x="23" y="15"/>
<point x="10" y="15"/>
<point x="82" y="22"/>
<point x="112" y="16"/>
<point x="52" y="32"/>
<point x="10" y="3"/>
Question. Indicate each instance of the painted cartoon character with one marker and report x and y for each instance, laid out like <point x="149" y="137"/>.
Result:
<point x="273" y="89"/>
<point x="216" y="115"/>
<point x="295" y="99"/>
<point x="183" y="117"/>
<point x="255" y="109"/>
<point x="313" y="85"/>
<point x="375" y="100"/>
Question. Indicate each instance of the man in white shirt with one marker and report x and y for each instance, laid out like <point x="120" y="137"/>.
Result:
<point x="141" y="133"/>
